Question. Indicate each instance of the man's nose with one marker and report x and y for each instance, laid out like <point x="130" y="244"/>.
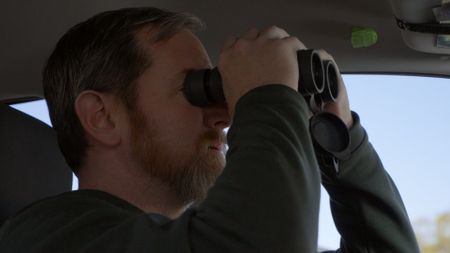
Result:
<point x="216" y="117"/>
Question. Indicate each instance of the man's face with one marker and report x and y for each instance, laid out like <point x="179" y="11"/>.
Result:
<point x="178" y="143"/>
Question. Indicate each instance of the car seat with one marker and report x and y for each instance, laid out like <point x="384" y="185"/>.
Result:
<point x="31" y="165"/>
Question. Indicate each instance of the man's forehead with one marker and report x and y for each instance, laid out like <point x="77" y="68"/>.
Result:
<point x="183" y="47"/>
<point x="171" y="59"/>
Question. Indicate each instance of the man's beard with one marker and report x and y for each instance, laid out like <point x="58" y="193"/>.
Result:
<point x="188" y="173"/>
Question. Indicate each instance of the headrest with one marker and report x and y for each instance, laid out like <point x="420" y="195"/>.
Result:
<point x="31" y="165"/>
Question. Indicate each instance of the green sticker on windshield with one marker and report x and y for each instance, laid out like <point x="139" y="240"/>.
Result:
<point x="363" y="37"/>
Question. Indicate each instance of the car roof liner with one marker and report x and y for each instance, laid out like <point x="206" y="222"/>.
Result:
<point x="32" y="29"/>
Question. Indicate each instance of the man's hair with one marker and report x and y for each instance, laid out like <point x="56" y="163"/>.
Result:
<point x="102" y="54"/>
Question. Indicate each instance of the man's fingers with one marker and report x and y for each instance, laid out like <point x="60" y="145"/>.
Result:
<point x="229" y="42"/>
<point x="325" y="55"/>
<point x="273" y="32"/>
<point x="295" y="42"/>
<point x="250" y="34"/>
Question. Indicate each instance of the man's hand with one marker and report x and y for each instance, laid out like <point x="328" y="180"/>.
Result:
<point x="258" y="58"/>
<point x="341" y="106"/>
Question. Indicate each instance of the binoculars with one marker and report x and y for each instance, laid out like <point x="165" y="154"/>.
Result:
<point x="318" y="82"/>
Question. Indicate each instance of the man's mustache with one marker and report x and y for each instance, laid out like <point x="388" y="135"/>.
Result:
<point x="216" y="136"/>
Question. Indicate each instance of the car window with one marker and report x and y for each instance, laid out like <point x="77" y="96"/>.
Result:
<point x="408" y="122"/>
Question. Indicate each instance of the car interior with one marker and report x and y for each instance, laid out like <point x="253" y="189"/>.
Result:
<point x="364" y="37"/>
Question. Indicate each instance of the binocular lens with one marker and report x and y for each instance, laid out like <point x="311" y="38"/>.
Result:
<point x="311" y="79"/>
<point x="317" y="70"/>
<point x="332" y="85"/>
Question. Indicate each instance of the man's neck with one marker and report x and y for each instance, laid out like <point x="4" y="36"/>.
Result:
<point x="134" y="186"/>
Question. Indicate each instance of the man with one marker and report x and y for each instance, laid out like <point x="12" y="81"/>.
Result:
<point x="151" y="166"/>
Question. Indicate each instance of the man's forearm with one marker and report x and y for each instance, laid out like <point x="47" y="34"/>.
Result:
<point x="366" y="205"/>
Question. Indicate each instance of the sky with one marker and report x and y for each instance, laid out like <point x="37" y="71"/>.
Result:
<point x="408" y="122"/>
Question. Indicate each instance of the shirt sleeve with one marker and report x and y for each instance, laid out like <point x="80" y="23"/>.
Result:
<point x="267" y="199"/>
<point x="366" y="205"/>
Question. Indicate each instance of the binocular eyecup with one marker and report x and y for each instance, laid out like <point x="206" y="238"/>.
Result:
<point x="204" y="87"/>
<point x="318" y="82"/>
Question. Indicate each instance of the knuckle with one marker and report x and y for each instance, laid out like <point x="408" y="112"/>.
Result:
<point x="274" y="32"/>
<point x="295" y="38"/>
<point x="252" y="33"/>
<point x="296" y="41"/>
<point x="281" y="30"/>
<point x="272" y="29"/>
<point x="240" y="44"/>
<point x="252" y="30"/>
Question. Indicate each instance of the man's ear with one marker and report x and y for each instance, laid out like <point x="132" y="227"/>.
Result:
<point x="95" y="112"/>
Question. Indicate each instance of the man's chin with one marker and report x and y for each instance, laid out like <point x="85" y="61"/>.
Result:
<point x="216" y="162"/>
<point x="193" y="181"/>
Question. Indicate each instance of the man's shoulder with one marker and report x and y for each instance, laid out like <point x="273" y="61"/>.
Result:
<point x="79" y="202"/>
<point x="72" y="209"/>
<point x="78" y="215"/>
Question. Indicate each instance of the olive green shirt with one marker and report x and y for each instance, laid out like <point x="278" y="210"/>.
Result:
<point x="266" y="200"/>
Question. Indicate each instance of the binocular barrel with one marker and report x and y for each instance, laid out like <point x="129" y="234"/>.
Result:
<point x="318" y="81"/>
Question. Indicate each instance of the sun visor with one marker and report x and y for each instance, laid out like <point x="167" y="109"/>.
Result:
<point x="424" y="24"/>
